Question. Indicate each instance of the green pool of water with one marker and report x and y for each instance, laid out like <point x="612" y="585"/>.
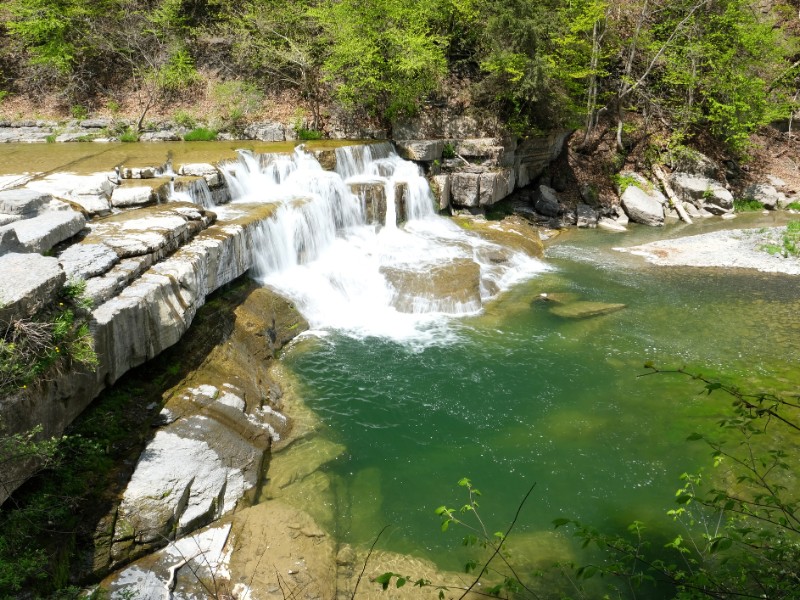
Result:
<point x="526" y="396"/>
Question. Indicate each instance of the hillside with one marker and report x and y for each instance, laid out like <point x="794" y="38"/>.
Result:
<point x="711" y="69"/>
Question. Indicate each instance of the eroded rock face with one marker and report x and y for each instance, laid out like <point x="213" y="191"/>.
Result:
<point x="373" y="197"/>
<point x="547" y="202"/>
<point x="420" y="150"/>
<point x="193" y="471"/>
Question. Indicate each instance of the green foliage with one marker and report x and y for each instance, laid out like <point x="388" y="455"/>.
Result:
<point x="449" y="150"/>
<point x="234" y="101"/>
<point x="128" y="135"/>
<point x="178" y="72"/>
<point x="201" y="134"/>
<point x="747" y="205"/>
<point x="793" y="206"/>
<point x="309" y="134"/>
<point x="50" y="139"/>
<point x="623" y="182"/>
<point x="494" y="581"/>
<point x="739" y="532"/>
<point x="789" y="244"/>
<point x="56" y="338"/>
<point x="385" y="56"/>
<point x="79" y="111"/>
<point x="113" y="107"/>
<point x="184" y="119"/>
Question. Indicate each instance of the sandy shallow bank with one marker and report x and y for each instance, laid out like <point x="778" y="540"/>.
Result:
<point x="735" y="248"/>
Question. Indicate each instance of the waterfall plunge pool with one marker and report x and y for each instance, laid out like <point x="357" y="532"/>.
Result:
<point x="510" y="394"/>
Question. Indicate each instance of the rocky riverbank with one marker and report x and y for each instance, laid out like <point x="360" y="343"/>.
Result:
<point x="760" y="249"/>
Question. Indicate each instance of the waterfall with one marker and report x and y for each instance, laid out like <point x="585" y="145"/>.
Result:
<point x="361" y="249"/>
<point x="195" y="191"/>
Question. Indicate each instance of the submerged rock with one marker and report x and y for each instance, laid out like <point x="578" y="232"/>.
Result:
<point x="584" y="309"/>
<point x="451" y="287"/>
<point x="512" y="232"/>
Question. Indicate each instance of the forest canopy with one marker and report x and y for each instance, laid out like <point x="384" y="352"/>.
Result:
<point x="724" y="66"/>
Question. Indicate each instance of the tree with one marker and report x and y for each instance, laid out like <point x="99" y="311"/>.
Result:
<point x="384" y="55"/>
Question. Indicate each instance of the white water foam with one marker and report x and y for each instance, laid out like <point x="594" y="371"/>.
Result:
<point x="320" y="251"/>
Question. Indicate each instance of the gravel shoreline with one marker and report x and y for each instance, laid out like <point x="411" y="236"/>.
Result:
<point x="735" y="248"/>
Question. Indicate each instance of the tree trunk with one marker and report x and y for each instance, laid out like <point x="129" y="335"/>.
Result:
<point x="674" y="201"/>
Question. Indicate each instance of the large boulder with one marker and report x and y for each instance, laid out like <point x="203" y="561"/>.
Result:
<point x="452" y="286"/>
<point x="587" y="217"/>
<point x="132" y="196"/>
<point x="703" y="192"/>
<point x="465" y="189"/>
<point x="770" y="197"/>
<point x="641" y="207"/>
<point x="547" y="202"/>
<point x="373" y="200"/>
<point x="494" y="186"/>
<point x="266" y="132"/>
<point x="440" y="186"/>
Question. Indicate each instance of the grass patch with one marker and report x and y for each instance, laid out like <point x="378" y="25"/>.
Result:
<point x="200" y="134"/>
<point x="793" y="206"/>
<point x="747" y="205"/>
<point x="51" y="139"/>
<point x="790" y="243"/>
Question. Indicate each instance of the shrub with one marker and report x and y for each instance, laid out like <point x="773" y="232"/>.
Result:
<point x="79" y="111"/>
<point x="449" y="150"/>
<point x="184" y="119"/>
<point x="201" y="134"/>
<point x="128" y="135"/>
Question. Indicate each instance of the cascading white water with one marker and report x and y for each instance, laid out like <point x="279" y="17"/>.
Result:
<point x="195" y="191"/>
<point x="346" y="273"/>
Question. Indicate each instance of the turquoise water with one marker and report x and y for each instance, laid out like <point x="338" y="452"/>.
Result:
<point x="525" y="396"/>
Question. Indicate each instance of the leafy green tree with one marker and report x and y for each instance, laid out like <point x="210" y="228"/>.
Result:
<point x="277" y="44"/>
<point x="384" y="55"/>
<point x="728" y="72"/>
<point x="517" y="61"/>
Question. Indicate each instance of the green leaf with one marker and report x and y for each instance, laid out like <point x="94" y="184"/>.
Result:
<point x="694" y="437"/>
<point x="401" y="581"/>
<point x="445" y="525"/>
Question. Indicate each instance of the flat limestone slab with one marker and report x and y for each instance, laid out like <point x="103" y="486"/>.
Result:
<point x="22" y="201"/>
<point x="41" y="233"/>
<point x="28" y="282"/>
